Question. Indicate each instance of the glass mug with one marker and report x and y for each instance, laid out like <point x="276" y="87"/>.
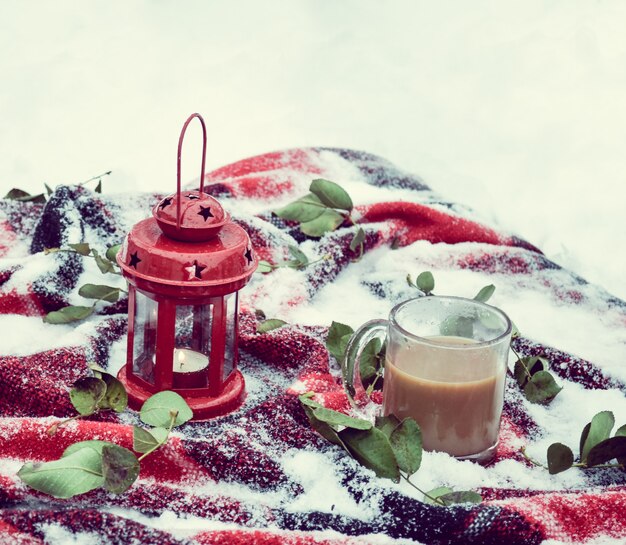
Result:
<point x="446" y="363"/>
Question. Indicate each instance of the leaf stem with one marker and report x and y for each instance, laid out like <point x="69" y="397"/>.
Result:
<point x="601" y="466"/>
<point x="95" y="178"/>
<point x="426" y="494"/>
<point x="371" y="387"/>
<point x="526" y="370"/>
<point x="173" y="415"/>
<point x="531" y="460"/>
<point x="55" y="427"/>
<point x="66" y="251"/>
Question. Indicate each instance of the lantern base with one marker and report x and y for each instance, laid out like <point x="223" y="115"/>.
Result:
<point x="204" y="408"/>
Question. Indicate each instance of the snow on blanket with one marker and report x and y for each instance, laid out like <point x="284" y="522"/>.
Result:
<point x="262" y="475"/>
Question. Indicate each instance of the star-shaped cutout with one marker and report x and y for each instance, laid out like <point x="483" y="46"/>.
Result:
<point x="165" y="202"/>
<point x="248" y="255"/>
<point x="192" y="196"/>
<point x="205" y="212"/>
<point x="195" y="271"/>
<point x="134" y="260"/>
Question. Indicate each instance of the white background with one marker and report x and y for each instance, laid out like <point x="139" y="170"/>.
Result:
<point x="515" y="108"/>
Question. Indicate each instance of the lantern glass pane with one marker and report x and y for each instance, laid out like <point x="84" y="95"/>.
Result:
<point x="144" y="343"/>
<point x="230" y="352"/>
<point x="192" y="346"/>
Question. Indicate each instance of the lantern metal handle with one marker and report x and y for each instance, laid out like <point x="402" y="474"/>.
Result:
<point x="180" y="148"/>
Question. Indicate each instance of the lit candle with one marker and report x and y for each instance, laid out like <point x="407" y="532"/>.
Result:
<point x="190" y="368"/>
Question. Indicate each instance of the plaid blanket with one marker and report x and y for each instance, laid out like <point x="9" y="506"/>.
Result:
<point x="261" y="474"/>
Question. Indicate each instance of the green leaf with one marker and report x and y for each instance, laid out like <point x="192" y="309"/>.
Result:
<point x="326" y="431"/>
<point x="269" y="325"/>
<point x="369" y="361"/>
<point x="87" y="394"/>
<point x="599" y="430"/>
<point x="148" y="440"/>
<point x="100" y="292"/>
<point x="120" y="468"/>
<point x="159" y="409"/>
<point x="331" y="194"/>
<point x="98" y="188"/>
<point x="75" y="474"/>
<point x="300" y="258"/>
<point x="538" y="363"/>
<point x="521" y="372"/>
<point x="93" y="444"/>
<point x="335" y="418"/>
<point x="104" y="265"/>
<point x="16" y="194"/>
<point x="529" y="365"/>
<point x="372" y="449"/>
<point x="97" y="370"/>
<point x="48" y="189"/>
<point x="111" y="253"/>
<point x="409" y="281"/>
<point x="115" y="397"/>
<point x="307" y="399"/>
<point x="621" y="431"/>
<point x="435" y="494"/>
<point x="461" y="496"/>
<point x="68" y="314"/>
<point x="607" y="450"/>
<point x="406" y="442"/>
<point x="458" y="326"/>
<point x="395" y="243"/>
<point x="485" y="293"/>
<point x="583" y="438"/>
<point x="387" y="424"/>
<point x="489" y="319"/>
<point x="81" y="248"/>
<point x="358" y="239"/>
<point x="425" y="282"/>
<point x="327" y="221"/>
<point x="541" y="388"/>
<point x="304" y="209"/>
<point x="560" y="458"/>
<point x="338" y="336"/>
<point x="265" y="267"/>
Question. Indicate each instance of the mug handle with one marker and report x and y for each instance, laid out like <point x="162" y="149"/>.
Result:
<point x="350" y="373"/>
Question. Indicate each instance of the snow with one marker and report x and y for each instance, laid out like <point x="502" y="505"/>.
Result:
<point x="513" y="108"/>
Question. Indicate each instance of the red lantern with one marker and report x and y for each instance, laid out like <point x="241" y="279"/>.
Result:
<point x="184" y="268"/>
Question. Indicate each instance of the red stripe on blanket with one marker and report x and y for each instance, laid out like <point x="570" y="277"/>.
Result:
<point x="29" y="437"/>
<point x="260" y="187"/>
<point x="7" y="237"/>
<point x="566" y="516"/>
<point x="26" y="304"/>
<point x="418" y="222"/>
<point x="297" y="160"/>
<point x="257" y="537"/>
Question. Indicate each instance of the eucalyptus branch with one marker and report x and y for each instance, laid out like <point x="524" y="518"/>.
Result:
<point x="115" y="467"/>
<point x="95" y="178"/>
<point x="435" y="500"/>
